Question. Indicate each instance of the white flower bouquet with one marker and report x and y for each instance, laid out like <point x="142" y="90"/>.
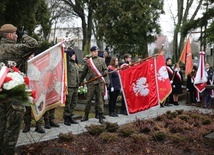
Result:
<point x="14" y="84"/>
<point x="82" y="90"/>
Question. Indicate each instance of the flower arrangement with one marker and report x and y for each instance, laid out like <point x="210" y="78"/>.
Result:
<point x="15" y="84"/>
<point x="82" y="90"/>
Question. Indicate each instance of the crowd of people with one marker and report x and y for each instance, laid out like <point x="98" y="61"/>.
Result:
<point x="12" y="113"/>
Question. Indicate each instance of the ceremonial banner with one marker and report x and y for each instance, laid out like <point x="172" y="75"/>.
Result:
<point x="164" y="86"/>
<point x="139" y="86"/>
<point x="46" y="74"/>
<point x="201" y="78"/>
<point x="186" y="57"/>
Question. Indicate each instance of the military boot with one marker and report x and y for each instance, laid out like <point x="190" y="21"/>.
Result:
<point x="54" y="124"/>
<point x="72" y="121"/>
<point x="67" y="120"/>
<point x="26" y="128"/>
<point x="47" y="124"/>
<point x="85" y="118"/>
<point x="39" y="129"/>
<point x="97" y="115"/>
<point x="101" y="121"/>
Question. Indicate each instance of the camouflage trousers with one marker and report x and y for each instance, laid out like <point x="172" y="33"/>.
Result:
<point x="98" y="91"/>
<point x="28" y="117"/>
<point x="49" y="115"/>
<point x="71" y="101"/>
<point x="11" y="116"/>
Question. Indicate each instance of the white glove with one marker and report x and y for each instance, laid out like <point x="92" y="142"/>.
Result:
<point x="176" y="69"/>
<point x="182" y="86"/>
<point x="171" y="81"/>
<point x="173" y="86"/>
<point x="187" y="89"/>
<point x="112" y="89"/>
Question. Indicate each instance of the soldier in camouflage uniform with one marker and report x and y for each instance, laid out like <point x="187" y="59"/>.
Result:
<point x="12" y="110"/>
<point x="73" y="84"/>
<point x="96" y="87"/>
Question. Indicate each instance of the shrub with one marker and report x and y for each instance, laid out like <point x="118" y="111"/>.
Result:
<point x="177" y="137"/>
<point x="139" y="138"/>
<point x="159" y="135"/>
<point x="126" y="131"/>
<point x="108" y="137"/>
<point x="66" y="136"/>
<point x="184" y="117"/>
<point x="95" y="129"/>
<point x="111" y="127"/>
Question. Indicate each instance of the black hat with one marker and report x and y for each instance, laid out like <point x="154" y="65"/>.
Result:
<point x="70" y="52"/>
<point x="94" y="48"/>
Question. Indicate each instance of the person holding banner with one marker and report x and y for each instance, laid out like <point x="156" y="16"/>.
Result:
<point x="12" y="110"/>
<point x="73" y="84"/>
<point x="170" y="71"/>
<point x="95" y="67"/>
<point x="127" y="60"/>
<point x="177" y="83"/>
<point x="191" y="90"/>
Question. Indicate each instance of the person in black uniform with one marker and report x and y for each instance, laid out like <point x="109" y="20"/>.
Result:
<point x="177" y="83"/>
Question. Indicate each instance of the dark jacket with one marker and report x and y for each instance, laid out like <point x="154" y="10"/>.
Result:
<point x="114" y="79"/>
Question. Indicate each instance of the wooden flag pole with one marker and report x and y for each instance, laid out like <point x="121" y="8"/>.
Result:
<point x="93" y="79"/>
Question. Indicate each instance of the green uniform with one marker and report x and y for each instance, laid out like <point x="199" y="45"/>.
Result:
<point x="11" y="110"/>
<point x="73" y="84"/>
<point x="96" y="87"/>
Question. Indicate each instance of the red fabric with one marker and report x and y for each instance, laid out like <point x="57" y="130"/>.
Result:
<point x="46" y="74"/>
<point x="186" y="57"/>
<point x="139" y="86"/>
<point x="3" y="75"/>
<point x="164" y="86"/>
<point x="200" y="79"/>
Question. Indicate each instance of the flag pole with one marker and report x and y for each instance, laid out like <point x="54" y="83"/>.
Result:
<point x="138" y="61"/>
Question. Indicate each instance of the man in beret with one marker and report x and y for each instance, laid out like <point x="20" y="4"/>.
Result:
<point x="72" y="87"/>
<point x="12" y="110"/>
<point x="95" y="67"/>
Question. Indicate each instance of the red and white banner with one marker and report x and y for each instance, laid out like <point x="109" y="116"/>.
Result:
<point x="139" y="86"/>
<point x="164" y="86"/>
<point x="3" y="73"/>
<point x="46" y="74"/>
<point x="201" y="78"/>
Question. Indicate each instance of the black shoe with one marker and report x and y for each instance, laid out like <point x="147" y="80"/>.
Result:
<point x="101" y="121"/>
<point x="39" y="129"/>
<point x="97" y="116"/>
<point x="84" y="119"/>
<point x="161" y="105"/>
<point x="26" y="129"/>
<point x="72" y="121"/>
<point x="54" y="124"/>
<point x="67" y="121"/>
<point x="113" y="114"/>
<point x="124" y="113"/>
<point x="176" y="103"/>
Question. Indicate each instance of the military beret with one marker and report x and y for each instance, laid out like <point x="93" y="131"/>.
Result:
<point x="8" y="28"/>
<point x="70" y="52"/>
<point x="94" y="48"/>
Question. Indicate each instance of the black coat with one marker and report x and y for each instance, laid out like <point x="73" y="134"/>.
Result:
<point x="177" y="84"/>
<point x="114" y="79"/>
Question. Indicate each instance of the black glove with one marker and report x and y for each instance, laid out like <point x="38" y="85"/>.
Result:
<point x="104" y="74"/>
<point x="19" y="33"/>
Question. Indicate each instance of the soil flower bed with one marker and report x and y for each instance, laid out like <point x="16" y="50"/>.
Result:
<point x="173" y="133"/>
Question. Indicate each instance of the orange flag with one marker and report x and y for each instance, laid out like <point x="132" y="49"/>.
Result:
<point x="186" y="57"/>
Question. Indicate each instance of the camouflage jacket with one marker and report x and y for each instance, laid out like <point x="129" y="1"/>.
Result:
<point x="87" y="70"/>
<point x="18" y="52"/>
<point x="73" y="74"/>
